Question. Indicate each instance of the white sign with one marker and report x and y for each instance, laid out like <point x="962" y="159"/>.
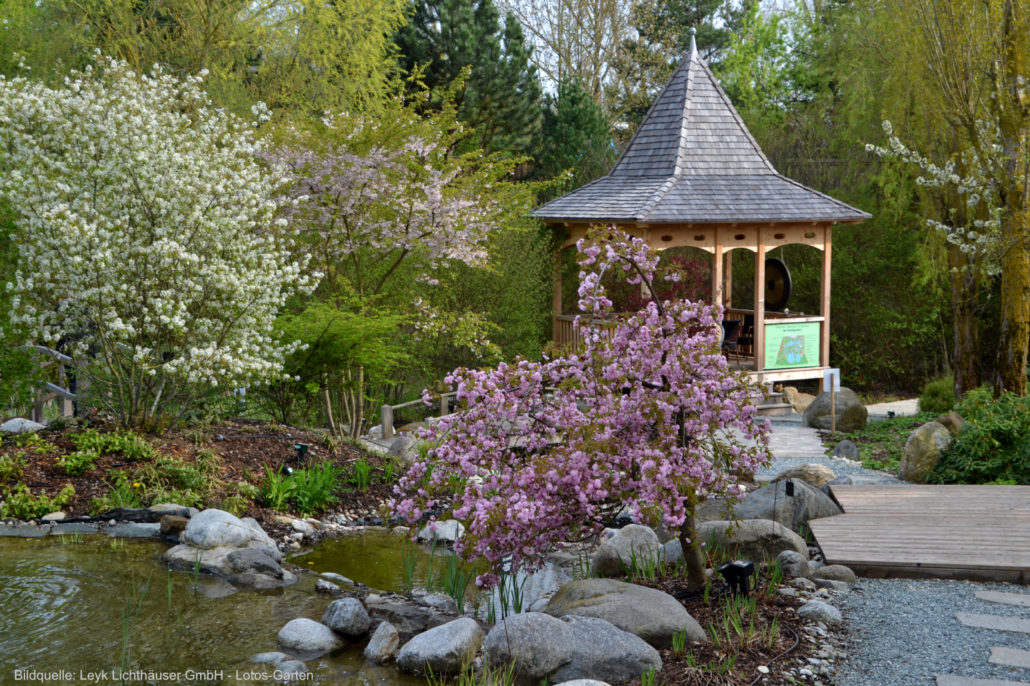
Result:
<point x="831" y="380"/>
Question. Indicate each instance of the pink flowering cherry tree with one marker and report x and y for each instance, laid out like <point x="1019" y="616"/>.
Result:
<point x="645" y="414"/>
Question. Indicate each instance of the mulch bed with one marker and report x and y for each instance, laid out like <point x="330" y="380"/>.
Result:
<point x="244" y="448"/>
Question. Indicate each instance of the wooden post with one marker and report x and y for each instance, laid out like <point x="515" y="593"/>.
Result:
<point x="824" y="304"/>
<point x="727" y="279"/>
<point x="717" y="271"/>
<point x="444" y="405"/>
<point x="760" y="305"/>
<point x="386" y="420"/>
<point x="556" y="297"/>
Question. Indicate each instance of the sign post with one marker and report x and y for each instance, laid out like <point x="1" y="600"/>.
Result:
<point x="831" y="382"/>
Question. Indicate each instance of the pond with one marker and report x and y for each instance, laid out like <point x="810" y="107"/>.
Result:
<point x="97" y="604"/>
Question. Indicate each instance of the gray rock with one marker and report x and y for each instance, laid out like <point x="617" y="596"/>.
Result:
<point x="384" y="644"/>
<point x="302" y="527"/>
<point x="134" y="530"/>
<point x="172" y="525"/>
<point x="584" y="682"/>
<point x="835" y="573"/>
<point x="218" y="529"/>
<point x="408" y="619"/>
<point x="347" y="616"/>
<point x="847" y="450"/>
<point x="534" y="644"/>
<point x="672" y="551"/>
<point x="447" y="531"/>
<point x="18" y="425"/>
<point x="831" y="585"/>
<point x="754" y="539"/>
<point x="253" y="567"/>
<point x="600" y="650"/>
<point x="646" y="612"/>
<point x="291" y="670"/>
<point x="308" y="639"/>
<point x="440" y="602"/>
<point x="269" y="658"/>
<point x="75" y="528"/>
<point x="819" y="611"/>
<point x="633" y="542"/>
<point x="444" y="649"/>
<point x="851" y="414"/>
<point x="27" y="529"/>
<point x="253" y="560"/>
<point x="792" y="511"/>
<point x="793" y="563"/>
<point x="336" y="578"/>
<point x="327" y="587"/>
<point x="815" y="474"/>
<point x="173" y="509"/>
<point x="923" y="451"/>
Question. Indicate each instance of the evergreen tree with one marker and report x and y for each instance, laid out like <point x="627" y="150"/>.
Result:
<point x="576" y="137"/>
<point x="500" y="97"/>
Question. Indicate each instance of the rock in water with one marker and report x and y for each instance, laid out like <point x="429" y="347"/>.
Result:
<point x="923" y="451"/>
<point x="653" y="615"/>
<point x="444" y="649"/>
<point x="630" y="543"/>
<point x="383" y="645"/>
<point x="347" y="616"/>
<point x="308" y="639"/>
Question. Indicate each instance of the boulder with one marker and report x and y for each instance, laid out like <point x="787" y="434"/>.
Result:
<point x="347" y="616"/>
<point x="18" y="425"/>
<point x="447" y="531"/>
<point x="444" y="649"/>
<point x="408" y="619"/>
<point x="818" y="611"/>
<point x="533" y="643"/>
<point x="793" y="563"/>
<point x="851" y="414"/>
<point x="847" y="450"/>
<point x="815" y="474"/>
<point x="218" y="529"/>
<point x="798" y="401"/>
<point x="630" y="543"/>
<point x="384" y="644"/>
<point x="584" y="682"/>
<point x="755" y="539"/>
<point x="601" y="650"/>
<point x="172" y="525"/>
<point x="922" y="451"/>
<point x="793" y="511"/>
<point x="651" y="614"/>
<point x="951" y="421"/>
<point x="308" y="639"/>
<point x="162" y="509"/>
<point x="835" y="573"/>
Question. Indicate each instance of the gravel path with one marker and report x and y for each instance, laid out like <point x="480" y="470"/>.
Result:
<point x="903" y="632"/>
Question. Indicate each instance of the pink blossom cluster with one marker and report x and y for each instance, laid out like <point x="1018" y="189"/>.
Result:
<point x="647" y="415"/>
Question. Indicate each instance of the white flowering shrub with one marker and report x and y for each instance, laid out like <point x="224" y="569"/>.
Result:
<point x="151" y="249"/>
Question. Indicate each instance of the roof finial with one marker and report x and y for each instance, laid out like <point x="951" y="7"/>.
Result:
<point x="693" y="42"/>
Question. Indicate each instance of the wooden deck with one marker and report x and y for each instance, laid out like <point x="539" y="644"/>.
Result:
<point x="963" y="532"/>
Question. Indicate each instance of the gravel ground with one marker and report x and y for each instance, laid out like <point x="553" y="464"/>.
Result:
<point x="903" y="632"/>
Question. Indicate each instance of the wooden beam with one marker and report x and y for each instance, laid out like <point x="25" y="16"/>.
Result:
<point x="727" y="279"/>
<point x="717" y="272"/>
<point x="824" y="306"/>
<point x="556" y="303"/>
<point x="759" y="304"/>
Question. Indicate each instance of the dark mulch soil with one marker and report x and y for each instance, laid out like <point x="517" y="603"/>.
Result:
<point x="734" y="661"/>
<point x="244" y="448"/>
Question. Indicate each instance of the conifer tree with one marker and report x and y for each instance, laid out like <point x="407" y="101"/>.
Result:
<point x="500" y="98"/>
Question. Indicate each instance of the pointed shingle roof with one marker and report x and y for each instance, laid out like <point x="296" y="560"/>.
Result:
<point x="693" y="161"/>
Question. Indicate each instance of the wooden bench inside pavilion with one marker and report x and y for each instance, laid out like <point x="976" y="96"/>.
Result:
<point x="693" y="175"/>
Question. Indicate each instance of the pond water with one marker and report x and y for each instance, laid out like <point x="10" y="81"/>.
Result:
<point x="96" y="604"/>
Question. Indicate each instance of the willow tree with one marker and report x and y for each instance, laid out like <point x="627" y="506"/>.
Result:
<point x="978" y="58"/>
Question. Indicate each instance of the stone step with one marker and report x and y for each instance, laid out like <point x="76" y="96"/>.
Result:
<point x="955" y="680"/>
<point x="995" y="622"/>
<point x="773" y="409"/>
<point x="1010" y="657"/>
<point x="1020" y="599"/>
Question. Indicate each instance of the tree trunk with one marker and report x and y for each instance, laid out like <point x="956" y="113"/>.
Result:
<point x="692" y="557"/>
<point x="328" y="400"/>
<point x="966" y="356"/>
<point x="1010" y="374"/>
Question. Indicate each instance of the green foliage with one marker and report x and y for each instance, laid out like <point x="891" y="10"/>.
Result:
<point x="938" y="396"/>
<point x="361" y="474"/>
<point x="36" y="443"/>
<point x="993" y="445"/>
<point x="311" y="490"/>
<point x="576" y="137"/>
<point x="12" y="466"/>
<point x="464" y="42"/>
<point x="881" y="444"/>
<point x="92" y="445"/>
<point x="124" y="493"/>
<point x="78" y="462"/>
<point x="19" y="502"/>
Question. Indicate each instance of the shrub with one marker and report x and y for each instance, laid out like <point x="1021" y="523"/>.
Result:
<point x="20" y="503"/>
<point x="310" y="490"/>
<point x="994" y="444"/>
<point x="12" y="467"/>
<point x="938" y="395"/>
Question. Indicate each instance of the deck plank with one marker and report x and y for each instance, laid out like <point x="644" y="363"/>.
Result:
<point x="951" y="531"/>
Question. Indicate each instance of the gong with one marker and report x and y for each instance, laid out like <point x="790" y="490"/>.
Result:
<point x="777" y="284"/>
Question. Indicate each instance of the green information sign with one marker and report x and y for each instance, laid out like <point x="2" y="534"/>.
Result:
<point x="789" y="345"/>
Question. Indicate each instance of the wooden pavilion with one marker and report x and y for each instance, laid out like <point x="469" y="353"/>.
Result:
<point x="693" y="175"/>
